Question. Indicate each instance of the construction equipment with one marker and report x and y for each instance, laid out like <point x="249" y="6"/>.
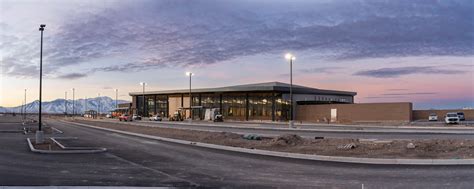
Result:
<point x="177" y="116"/>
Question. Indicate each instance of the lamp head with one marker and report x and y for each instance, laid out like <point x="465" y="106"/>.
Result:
<point x="289" y="56"/>
<point x="42" y="27"/>
<point x="189" y="73"/>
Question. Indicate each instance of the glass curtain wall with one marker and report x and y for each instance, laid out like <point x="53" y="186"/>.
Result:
<point x="196" y="111"/>
<point x="260" y="106"/>
<point x="233" y="106"/>
<point x="150" y="106"/>
<point x="209" y="101"/>
<point x="282" y="108"/>
<point x="140" y="105"/>
<point x="162" y="105"/>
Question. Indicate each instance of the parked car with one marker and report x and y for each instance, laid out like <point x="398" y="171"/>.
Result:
<point x="136" y="117"/>
<point x="461" y="116"/>
<point x="108" y="116"/>
<point x="433" y="117"/>
<point x="451" y="118"/>
<point x="155" y="118"/>
<point x="125" y="117"/>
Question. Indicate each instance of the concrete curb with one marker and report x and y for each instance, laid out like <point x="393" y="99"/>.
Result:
<point x="401" y="131"/>
<point x="338" y="159"/>
<point x="67" y="150"/>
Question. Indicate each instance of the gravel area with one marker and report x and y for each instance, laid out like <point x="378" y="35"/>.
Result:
<point x="47" y="145"/>
<point x="418" y="149"/>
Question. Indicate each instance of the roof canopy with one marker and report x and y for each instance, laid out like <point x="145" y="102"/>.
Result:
<point x="258" y="87"/>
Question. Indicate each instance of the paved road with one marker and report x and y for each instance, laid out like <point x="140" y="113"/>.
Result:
<point x="309" y="134"/>
<point x="135" y="161"/>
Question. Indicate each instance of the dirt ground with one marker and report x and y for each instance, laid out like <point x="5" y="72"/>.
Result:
<point x="424" y="149"/>
<point x="47" y="145"/>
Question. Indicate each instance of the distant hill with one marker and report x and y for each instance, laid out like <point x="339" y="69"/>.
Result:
<point x="57" y="106"/>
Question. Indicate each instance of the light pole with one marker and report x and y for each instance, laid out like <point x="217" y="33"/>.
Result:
<point x="65" y="103"/>
<point x="39" y="132"/>
<point x="85" y="105"/>
<point x="98" y="105"/>
<point x="290" y="57"/>
<point x="24" y="109"/>
<point x="116" y="98"/>
<point x="190" y="74"/>
<point x="143" y="84"/>
<point x="73" y="103"/>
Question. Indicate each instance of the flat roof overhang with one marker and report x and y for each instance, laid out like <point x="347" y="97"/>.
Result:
<point x="260" y="87"/>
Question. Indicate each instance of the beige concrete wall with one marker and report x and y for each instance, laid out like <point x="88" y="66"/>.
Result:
<point x="175" y="104"/>
<point x="186" y="105"/>
<point x="423" y="114"/>
<point x="347" y="113"/>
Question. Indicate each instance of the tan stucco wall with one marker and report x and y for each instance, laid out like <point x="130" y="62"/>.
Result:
<point x="423" y="114"/>
<point x="175" y="104"/>
<point x="347" y="113"/>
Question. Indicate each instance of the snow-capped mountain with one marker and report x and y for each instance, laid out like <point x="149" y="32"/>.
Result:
<point x="105" y="104"/>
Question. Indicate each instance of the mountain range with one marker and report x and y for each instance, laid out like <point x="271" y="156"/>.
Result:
<point x="105" y="104"/>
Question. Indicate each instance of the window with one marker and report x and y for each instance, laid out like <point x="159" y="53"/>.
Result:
<point x="260" y="106"/>
<point x="162" y="105"/>
<point x="233" y="106"/>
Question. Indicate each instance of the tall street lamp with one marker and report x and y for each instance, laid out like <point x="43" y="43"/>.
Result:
<point x="116" y="98"/>
<point x="65" y="103"/>
<point x="290" y="58"/>
<point x="85" y="105"/>
<point x="190" y="74"/>
<point x="73" y="103"/>
<point x="143" y="84"/>
<point x="98" y="105"/>
<point x="39" y="133"/>
<point x="24" y="108"/>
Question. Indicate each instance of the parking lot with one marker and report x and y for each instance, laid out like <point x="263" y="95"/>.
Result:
<point x="133" y="161"/>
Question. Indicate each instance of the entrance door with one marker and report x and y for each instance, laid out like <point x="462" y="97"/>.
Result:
<point x="333" y="115"/>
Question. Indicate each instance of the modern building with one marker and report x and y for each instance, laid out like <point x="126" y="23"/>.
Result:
<point x="123" y="108"/>
<point x="262" y="101"/>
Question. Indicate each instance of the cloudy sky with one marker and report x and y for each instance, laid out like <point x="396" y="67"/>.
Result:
<point x="388" y="51"/>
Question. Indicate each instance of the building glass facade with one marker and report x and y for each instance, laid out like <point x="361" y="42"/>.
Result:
<point x="234" y="104"/>
<point x="161" y="105"/>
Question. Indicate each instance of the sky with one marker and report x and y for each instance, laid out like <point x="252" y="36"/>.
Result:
<point x="418" y="51"/>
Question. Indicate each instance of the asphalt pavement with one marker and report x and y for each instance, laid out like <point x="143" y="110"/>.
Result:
<point x="133" y="161"/>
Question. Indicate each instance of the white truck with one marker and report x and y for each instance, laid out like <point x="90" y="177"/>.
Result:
<point x="451" y="118"/>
